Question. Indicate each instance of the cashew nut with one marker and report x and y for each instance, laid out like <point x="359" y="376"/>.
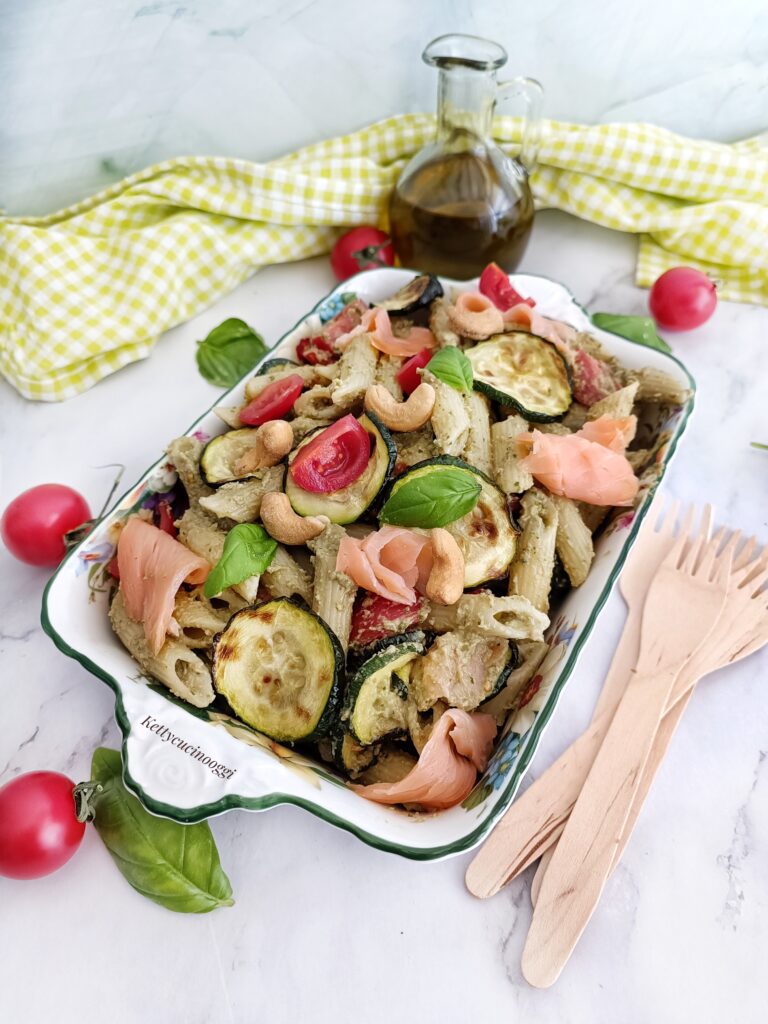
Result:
<point x="408" y="415"/>
<point x="475" y="316"/>
<point x="274" y="439"/>
<point x="284" y="525"/>
<point x="446" y="580"/>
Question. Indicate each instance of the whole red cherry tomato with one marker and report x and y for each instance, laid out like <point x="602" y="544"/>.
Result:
<point x="273" y="402"/>
<point x="363" y="248"/>
<point x="34" y="524"/>
<point x="408" y="376"/>
<point x="334" y="459"/>
<point x="39" y="831"/>
<point x="682" y="298"/>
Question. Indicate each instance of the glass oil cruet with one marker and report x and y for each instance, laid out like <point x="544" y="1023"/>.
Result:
<point x="461" y="202"/>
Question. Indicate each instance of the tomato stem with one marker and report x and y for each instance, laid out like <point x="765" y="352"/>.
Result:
<point x="83" y="795"/>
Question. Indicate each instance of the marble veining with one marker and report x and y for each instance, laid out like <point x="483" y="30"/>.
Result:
<point x="324" y="927"/>
<point x="95" y="91"/>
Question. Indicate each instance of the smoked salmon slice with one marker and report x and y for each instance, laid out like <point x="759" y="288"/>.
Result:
<point x="615" y="434"/>
<point x="376" y="323"/>
<point x="153" y="565"/>
<point x="575" y="467"/>
<point x="390" y="562"/>
<point x="459" y="748"/>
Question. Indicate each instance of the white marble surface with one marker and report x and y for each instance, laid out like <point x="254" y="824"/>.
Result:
<point x="324" y="928"/>
<point x="92" y="90"/>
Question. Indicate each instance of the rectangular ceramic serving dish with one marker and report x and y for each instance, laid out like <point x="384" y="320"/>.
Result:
<point x="189" y="764"/>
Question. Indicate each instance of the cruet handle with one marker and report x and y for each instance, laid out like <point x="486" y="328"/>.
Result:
<point x="532" y="94"/>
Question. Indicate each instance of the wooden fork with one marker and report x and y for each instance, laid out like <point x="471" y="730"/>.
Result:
<point x="741" y="630"/>
<point x="682" y="606"/>
<point x="538" y="816"/>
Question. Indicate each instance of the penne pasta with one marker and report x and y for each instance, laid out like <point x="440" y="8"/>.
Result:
<point x="241" y="499"/>
<point x="387" y="370"/>
<point x="510" y="618"/>
<point x="531" y="572"/>
<point x="175" y="665"/>
<point x="334" y="592"/>
<point x="184" y="452"/>
<point x="440" y="324"/>
<point x="450" y="421"/>
<point x="573" y="541"/>
<point x="284" y="577"/>
<point x="656" y="386"/>
<point x="197" y="619"/>
<point x="477" y="450"/>
<point x="532" y="654"/>
<point x="356" y="371"/>
<point x="617" y="406"/>
<point x="415" y="445"/>
<point x="317" y="404"/>
<point x="508" y="473"/>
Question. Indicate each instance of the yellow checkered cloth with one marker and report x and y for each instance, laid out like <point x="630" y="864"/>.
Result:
<point x="89" y="289"/>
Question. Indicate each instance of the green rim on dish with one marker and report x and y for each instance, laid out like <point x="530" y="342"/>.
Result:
<point x="529" y="742"/>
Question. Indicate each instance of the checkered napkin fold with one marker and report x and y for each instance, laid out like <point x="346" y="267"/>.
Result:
<point x="89" y="289"/>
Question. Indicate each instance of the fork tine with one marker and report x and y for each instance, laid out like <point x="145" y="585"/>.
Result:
<point x="714" y="559"/>
<point x="667" y="526"/>
<point x="756" y="584"/>
<point x="698" y="542"/>
<point x="753" y="568"/>
<point x="745" y="555"/>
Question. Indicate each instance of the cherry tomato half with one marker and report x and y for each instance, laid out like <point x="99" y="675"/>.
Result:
<point x="317" y="351"/>
<point x="494" y="284"/>
<point x="375" y="617"/>
<point x="39" y="831"/>
<point x="273" y="402"/>
<point x="682" y="298"/>
<point x="334" y="459"/>
<point x="362" y="248"/>
<point x="408" y="376"/>
<point x="34" y="524"/>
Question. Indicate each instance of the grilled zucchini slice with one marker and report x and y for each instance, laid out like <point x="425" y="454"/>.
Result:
<point x="349" y="503"/>
<point x="376" y="701"/>
<point x="280" y="667"/>
<point x="485" y="535"/>
<point x="218" y="459"/>
<point x="525" y="372"/>
<point x="415" y="295"/>
<point x="350" y="756"/>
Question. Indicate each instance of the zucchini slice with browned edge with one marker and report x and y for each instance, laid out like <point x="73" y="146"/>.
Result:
<point x="415" y="295"/>
<point x="276" y="363"/>
<point x="349" y="503"/>
<point x="350" y="756"/>
<point x="280" y="667"/>
<point x="220" y="455"/>
<point x="485" y="535"/>
<point x="376" y="699"/>
<point x="523" y="371"/>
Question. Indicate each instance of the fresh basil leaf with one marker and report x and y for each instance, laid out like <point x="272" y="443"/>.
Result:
<point x="432" y="499"/>
<point x="452" y="367"/>
<point x="248" y="550"/>
<point x="229" y="352"/>
<point x="637" y="328"/>
<point x="175" y="865"/>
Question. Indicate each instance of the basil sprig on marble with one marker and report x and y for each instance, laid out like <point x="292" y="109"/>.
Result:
<point x="452" y="367"/>
<point x="433" y="499"/>
<point x="637" y="328"/>
<point x="229" y="352"/>
<point x="248" y="551"/>
<point x="174" y="865"/>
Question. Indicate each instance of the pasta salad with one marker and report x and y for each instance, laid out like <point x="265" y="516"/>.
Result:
<point x="364" y="562"/>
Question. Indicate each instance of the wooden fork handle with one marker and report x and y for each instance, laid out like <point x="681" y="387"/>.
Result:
<point x="585" y="852"/>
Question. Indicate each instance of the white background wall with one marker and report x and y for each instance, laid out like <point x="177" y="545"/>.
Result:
<point x="93" y="89"/>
